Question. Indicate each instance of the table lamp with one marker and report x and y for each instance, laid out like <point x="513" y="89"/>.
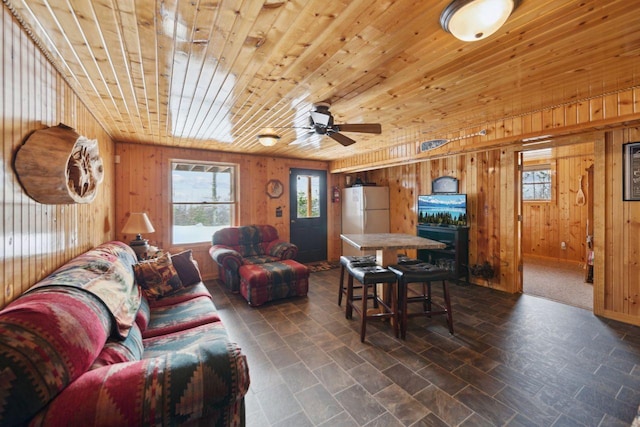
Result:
<point x="137" y="224"/>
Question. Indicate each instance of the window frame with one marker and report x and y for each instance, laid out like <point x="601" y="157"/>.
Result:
<point x="234" y="195"/>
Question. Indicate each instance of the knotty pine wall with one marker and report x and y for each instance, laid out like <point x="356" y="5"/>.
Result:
<point x="38" y="238"/>
<point x="617" y="231"/>
<point x="143" y="185"/>
<point x="489" y="180"/>
<point x="481" y="176"/>
<point x="546" y="224"/>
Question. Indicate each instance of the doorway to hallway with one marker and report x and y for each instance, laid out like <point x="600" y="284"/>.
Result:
<point x="556" y="200"/>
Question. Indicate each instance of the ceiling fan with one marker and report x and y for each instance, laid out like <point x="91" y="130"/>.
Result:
<point x="321" y="123"/>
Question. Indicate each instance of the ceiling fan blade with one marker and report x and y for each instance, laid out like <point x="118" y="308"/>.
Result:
<point x="302" y="138"/>
<point x="359" y="127"/>
<point x="344" y="140"/>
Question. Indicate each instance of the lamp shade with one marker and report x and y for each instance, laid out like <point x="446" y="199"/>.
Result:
<point x="471" y="20"/>
<point x="138" y="223"/>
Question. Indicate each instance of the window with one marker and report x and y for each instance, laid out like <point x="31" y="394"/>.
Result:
<point x="536" y="183"/>
<point x="203" y="198"/>
<point x="308" y="196"/>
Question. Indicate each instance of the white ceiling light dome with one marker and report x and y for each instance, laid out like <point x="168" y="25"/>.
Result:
<point x="472" y="20"/>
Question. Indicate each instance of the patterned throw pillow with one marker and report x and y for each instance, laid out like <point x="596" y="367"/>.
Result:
<point x="186" y="268"/>
<point x="157" y="277"/>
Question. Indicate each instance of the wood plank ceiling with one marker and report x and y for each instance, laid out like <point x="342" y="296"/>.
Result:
<point x="213" y="74"/>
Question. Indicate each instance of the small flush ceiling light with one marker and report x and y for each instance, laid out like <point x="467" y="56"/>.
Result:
<point x="268" y="138"/>
<point x="471" y="20"/>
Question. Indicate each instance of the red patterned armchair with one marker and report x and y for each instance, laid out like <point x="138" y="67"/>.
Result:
<point x="233" y="247"/>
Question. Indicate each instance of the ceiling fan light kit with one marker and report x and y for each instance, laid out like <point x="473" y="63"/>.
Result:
<point x="471" y="20"/>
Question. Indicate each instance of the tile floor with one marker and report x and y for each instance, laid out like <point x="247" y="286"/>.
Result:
<point x="514" y="360"/>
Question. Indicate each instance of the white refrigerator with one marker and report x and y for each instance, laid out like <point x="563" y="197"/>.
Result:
<point x="365" y="209"/>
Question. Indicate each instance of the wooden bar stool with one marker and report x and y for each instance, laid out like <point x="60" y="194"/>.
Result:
<point x="369" y="277"/>
<point x="424" y="274"/>
<point x="365" y="260"/>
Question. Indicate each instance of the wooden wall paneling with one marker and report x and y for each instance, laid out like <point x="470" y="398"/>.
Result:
<point x="7" y="152"/>
<point x="596" y="109"/>
<point x="632" y="280"/>
<point x="583" y="112"/>
<point x="494" y="201"/>
<point x="537" y="122"/>
<point x="481" y="228"/>
<point x="275" y="170"/>
<point x="403" y="200"/>
<point x="471" y="170"/>
<point x="508" y="268"/>
<point x="244" y="181"/>
<point x="580" y="117"/>
<point x="561" y="206"/>
<point x="607" y="240"/>
<point x="615" y="298"/>
<point x="154" y="195"/>
<point x="21" y="122"/>
<point x="610" y="105"/>
<point x="547" y="122"/>
<point x="38" y="238"/>
<point x="547" y="224"/>
<point x="625" y="103"/>
<point x="575" y="220"/>
<point x="334" y="218"/>
<point x="571" y="115"/>
<point x="559" y="118"/>
<point x="616" y="280"/>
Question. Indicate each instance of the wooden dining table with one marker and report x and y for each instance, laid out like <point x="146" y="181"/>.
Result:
<point x="387" y="245"/>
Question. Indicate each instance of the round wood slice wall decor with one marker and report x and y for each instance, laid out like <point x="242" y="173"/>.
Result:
<point x="58" y="166"/>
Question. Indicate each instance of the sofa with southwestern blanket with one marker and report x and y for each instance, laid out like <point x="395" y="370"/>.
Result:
<point x="108" y="341"/>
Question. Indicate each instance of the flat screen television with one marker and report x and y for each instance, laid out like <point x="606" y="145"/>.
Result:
<point x="443" y="209"/>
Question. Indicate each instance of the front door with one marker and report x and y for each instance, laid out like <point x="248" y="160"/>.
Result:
<point x="308" y="213"/>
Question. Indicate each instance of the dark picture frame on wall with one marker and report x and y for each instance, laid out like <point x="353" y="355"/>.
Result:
<point x="631" y="171"/>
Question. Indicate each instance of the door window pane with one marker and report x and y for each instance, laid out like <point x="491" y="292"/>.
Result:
<point x="308" y="196"/>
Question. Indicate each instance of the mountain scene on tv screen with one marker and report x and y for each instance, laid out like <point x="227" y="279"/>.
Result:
<point x="439" y="210"/>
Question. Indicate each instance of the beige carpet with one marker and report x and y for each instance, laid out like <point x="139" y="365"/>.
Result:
<point x="558" y="281"/>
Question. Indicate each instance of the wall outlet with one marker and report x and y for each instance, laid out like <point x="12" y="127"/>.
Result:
<point x="563" y="246"/>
